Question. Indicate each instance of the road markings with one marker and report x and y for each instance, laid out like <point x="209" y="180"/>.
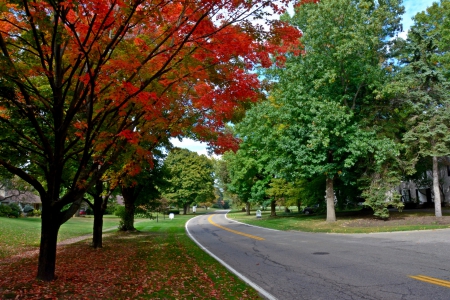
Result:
<point x="234" y="231"/>
<point x="431" y="280"/>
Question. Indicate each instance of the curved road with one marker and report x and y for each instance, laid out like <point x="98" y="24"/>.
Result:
<point x="300" y="265"/>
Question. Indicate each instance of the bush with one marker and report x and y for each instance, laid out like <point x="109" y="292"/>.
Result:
<point x="28" y="208"/>
<point x="36" y="213"/>
<point x="5" y="210"/>
<point x="16" y="211"/>
<point x="120" y="211"/>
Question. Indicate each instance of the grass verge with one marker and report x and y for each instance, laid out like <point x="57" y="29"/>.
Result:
<point x="347" y="222"/>
<point x="158" y="262"/>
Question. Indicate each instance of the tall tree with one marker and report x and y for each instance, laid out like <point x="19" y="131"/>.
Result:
<point x="191" y="178"/>
<point x="424" y="87"/>
<point x="326" y="98"/>
<point x="78" y="77"/>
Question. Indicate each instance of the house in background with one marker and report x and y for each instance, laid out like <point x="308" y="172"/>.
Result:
<point x="20" y="197"/>
<point x="421" y="191"/>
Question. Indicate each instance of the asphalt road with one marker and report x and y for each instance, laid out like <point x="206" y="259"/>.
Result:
<point x="298" y="265"/>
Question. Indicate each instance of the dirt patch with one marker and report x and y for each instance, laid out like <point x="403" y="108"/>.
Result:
<point x="397" y="221"/>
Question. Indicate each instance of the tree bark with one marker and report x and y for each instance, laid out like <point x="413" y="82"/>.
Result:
<point x="331" y="212"/>
<point x="273" y="212"/>
<point x="185" y="208"/>
<point x="247" y="208"/>
<point x="47" y="249"/>
<point x="99" y="209"/>
<point x="129" y="198"/>
<point x="436" y="189"/>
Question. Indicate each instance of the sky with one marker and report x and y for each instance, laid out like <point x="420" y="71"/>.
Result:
<point x="412" y="7"/>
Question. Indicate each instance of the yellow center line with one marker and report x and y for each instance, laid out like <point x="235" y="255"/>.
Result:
<point x="234" y="231"/>
<point x="432" y="280"/>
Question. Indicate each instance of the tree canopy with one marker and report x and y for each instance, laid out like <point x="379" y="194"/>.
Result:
<point x="81" y="81"/>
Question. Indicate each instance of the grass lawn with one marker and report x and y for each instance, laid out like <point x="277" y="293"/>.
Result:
<point x="23" y="234"/>
<point x="158" y="262"/>
<point x="347" y="222"/>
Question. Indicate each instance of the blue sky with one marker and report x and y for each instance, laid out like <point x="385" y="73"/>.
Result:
<point x="412" y="7"/>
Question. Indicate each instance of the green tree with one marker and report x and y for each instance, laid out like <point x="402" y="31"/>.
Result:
<point x="427" y="91"/>
<point x="190" y="178"/>
<point x="435" y="21"/>
<point x="243" y="172"/>
<point x="327" y="96"/>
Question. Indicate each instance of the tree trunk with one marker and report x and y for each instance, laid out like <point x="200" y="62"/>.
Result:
<point x="247" y="208"/>
<point x="97" y="230"/>
<point x="128" y="222"/>
<point x="185" y="208"/>
<point x="331" y="213"/>
<point x="129" y="198"/>
<point x="47" y="249"/>
<point x="299" y="204"/>
<point x="436" y="190"/>
<point x="99" y="209"/>
<point x="273" y="205"/>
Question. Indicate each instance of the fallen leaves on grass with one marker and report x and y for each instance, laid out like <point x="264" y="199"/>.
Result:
<point x="123" y="269"/>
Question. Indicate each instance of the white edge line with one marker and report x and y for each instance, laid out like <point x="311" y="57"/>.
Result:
<point x="226" y="216"/>
<point x="242" y="277"/>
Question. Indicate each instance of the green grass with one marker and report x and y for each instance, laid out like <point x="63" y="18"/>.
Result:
<point x="23" y="234"/>
<point x="317" y="223"/>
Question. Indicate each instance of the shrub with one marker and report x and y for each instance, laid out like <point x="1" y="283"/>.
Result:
<point x="120" y="211"/>
<point x="28" y="208"/>
<point x="5" y="210"/>
<point x="37" y="212"/>
<point x="16" y="211"/>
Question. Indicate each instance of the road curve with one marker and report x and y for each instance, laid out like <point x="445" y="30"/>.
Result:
<point x="300" y="265"/>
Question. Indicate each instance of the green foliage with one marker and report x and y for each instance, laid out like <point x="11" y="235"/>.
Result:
<point x="190" y="177"/>
<point x="35" y="213"/>
<point x="380" y="196"/>
<point x="15" y="210"/>
<point x="121" y="213"/>
<point x="5" y="210"/>
<point x="435" y="21"/>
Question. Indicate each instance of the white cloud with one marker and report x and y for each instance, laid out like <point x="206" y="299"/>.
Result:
<point x="412" y="7"/>
<point x="192" y="145"/>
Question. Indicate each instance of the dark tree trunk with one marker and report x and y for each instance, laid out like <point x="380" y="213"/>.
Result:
<point x="273" y="205"/>
<point x="128" y="222"/>
<point x="185" y="208"/>
<point x="51" y="220"/>
<point x="47" y="249"/>
<point x="129" y="198"/>
<point x="99" y="209"/>
<point x="247" y="208"/>
<point x="299" y="204"/>
<point x="97" y="232"/>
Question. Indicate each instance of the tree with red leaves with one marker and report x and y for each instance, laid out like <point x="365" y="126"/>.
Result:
<point x="82" y="81"/>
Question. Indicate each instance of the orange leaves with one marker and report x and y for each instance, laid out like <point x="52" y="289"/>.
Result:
<point x="131" y="136"/>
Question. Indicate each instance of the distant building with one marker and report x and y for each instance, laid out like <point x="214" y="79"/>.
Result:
<point x="421" y="191"/>
<point x="20" y="197"/>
